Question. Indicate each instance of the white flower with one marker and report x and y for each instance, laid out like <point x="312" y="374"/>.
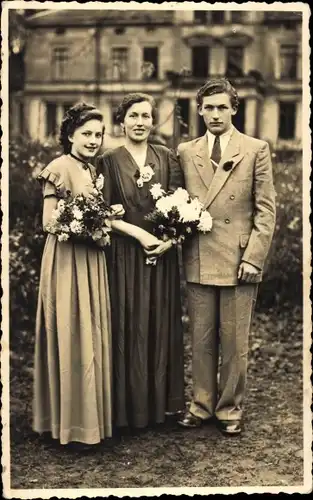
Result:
<point x="65" y="229"/>
<point x="188" y="212"/>
<point x="139" y="182"/>
<point x="75" y="227"/>
<point x="107" y="239"/>
<point x="180" y="196"/>
<point x="157" y="191"/>
<point x="100" y="182"/>
<point x="61" y="205"/>
<point x="196" y="205"/>
<point x="51" y="228"/>
<point x="206" y="222"/>
<point x="78" y="214"/>
<point x="164" y="205"/>
<point x="55" y="214"/>
<point x="97" y="235"/>
<point x="63" y="237"/>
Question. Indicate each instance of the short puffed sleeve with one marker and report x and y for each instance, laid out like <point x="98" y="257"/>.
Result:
<point x="52" y="184"/>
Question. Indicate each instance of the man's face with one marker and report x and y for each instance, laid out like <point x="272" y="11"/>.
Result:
<point x="217" y="113"/>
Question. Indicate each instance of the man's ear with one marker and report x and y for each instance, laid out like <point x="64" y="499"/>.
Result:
<point x="234" y="111"/>
<point x="200" y="111"/>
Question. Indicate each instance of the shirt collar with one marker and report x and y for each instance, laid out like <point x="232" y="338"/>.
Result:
<point x="211" y="137"/>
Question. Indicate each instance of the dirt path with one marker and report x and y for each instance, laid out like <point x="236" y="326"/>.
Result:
<point x="268" y="453"/>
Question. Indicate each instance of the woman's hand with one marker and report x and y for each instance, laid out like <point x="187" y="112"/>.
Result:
<point x="148" y="241"/>
<point x="118" y="211"/>
<point x="160" y="250"/>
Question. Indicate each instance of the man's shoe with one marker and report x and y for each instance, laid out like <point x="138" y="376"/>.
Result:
<point x="229" y="427"/>
<point x="174" y="413"/>
<point x="190" y="421"/>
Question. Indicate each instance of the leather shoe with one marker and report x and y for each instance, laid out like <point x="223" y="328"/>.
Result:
<point x="190" y="421"/>
<point x="229" y="427"/>
<point x="174" y="413"/>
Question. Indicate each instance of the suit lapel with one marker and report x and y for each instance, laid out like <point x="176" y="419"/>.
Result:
<point x="233" y="153"/>
<point x="202" y="162"/>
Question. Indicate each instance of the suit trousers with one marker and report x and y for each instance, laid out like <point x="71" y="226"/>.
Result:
<point x="220" y="318"/>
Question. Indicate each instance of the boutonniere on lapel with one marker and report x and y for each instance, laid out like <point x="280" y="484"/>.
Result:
<point x="144" y="174"/>
<point x="228" y="165"/>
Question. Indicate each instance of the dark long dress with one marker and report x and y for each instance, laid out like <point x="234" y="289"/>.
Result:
<point x="148" y="367"/>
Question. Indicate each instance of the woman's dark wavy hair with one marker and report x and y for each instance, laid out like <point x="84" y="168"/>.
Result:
<point x="134" y="98"/>
<point x="75" y="117"/>
<point x="218" y="86"/>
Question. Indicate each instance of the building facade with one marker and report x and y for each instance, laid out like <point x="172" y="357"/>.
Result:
<point x="100" y="55"/>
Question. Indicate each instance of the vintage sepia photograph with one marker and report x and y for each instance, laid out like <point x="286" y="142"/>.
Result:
<point x="156" y="315"/>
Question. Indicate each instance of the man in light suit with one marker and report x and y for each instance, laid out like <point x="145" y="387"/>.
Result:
<point x="231" y="174"/>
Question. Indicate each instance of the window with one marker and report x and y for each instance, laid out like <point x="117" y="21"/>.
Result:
<point x="237" y="16"/>
<point x="287" y="120"/>
<point x="182" y="115"/>
<point x="288" y="61"/>
<point x="201" y="126"/>
<point x="150" y="67"/>
<point x="200" y="16"/>
<point x="234" y="63"/>
<point x="51" y="118"/>
<point x="21" y="119"/>
<point x="120" y="63"/>
<point x="239" y="118"/>
<point x="67" y="106"/>
<point x="116" y="127"/>
<point x="218" y="16"/>
<point x="60" y="63"/>
<point x="200" y="61"/>
<point x="60" y="30"/>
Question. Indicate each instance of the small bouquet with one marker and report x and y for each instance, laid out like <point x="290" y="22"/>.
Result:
<point x="177" y="216"/>
<point x="82" y="218"/>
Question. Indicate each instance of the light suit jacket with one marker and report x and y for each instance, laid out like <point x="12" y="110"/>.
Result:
<point x="240" y="197"/>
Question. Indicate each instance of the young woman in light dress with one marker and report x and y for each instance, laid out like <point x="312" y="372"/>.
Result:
<point x="73" y="356"/>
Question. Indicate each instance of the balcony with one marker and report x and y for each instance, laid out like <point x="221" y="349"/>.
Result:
<point x="188" y="81"/>
<point x="211" y="35"/>
<point x="282" y="17"/>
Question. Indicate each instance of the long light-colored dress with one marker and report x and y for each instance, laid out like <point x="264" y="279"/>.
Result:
<point x="72" y="372"/>
<point x="147" y="335"/>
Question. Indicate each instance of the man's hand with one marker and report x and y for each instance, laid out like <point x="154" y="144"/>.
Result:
<point x="248" y="273"/>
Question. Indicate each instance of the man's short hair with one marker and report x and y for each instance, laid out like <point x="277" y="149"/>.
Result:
<point x="218" y="86"/>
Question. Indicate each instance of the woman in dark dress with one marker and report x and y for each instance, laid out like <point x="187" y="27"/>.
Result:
<point x="148" y="378"/>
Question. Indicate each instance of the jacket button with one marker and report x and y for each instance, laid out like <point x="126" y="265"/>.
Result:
<point x="227" y="221"/>
<point x="232" y="197"/>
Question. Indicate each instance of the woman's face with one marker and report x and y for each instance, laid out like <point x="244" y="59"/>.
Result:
<point x="87" y="139"/>
<point x="138" y="121"/>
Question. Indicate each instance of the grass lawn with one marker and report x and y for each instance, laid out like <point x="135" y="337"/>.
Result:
<point x="268" y="453"/>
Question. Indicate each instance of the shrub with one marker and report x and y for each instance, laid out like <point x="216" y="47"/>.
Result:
<point x="282" y="282"/>
<point x="26" y="239"/>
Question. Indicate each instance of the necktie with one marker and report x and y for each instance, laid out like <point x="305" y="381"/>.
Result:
<point x="216" y="152"/>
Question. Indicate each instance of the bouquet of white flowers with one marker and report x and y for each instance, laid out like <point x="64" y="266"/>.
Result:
<point x="82" y="218"/>
<point x="177" y="216"/>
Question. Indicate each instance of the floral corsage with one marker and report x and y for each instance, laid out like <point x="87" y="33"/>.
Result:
<point x="144" y="174"/>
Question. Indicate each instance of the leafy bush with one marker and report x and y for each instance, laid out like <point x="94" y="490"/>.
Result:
<point x="282" y="280"/>
<point x="26" y="239"/>
<point x="282" y="283"/>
